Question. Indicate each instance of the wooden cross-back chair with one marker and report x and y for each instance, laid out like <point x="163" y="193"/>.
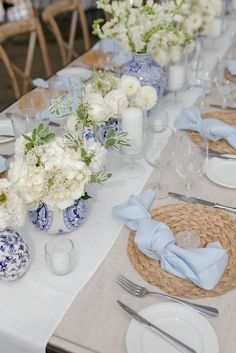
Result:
<point x="9" y="30"/>
<point x="49" y="15"/>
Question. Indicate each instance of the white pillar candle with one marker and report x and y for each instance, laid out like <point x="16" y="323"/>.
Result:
<point x="132" y="123"/>
<point x="61" y="262"/>
<point x="176" y="77"/>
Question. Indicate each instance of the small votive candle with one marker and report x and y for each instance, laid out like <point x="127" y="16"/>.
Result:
<point x="60" y="256"/>
<point x="176" y="78"/>
<point x="132" y="123"/>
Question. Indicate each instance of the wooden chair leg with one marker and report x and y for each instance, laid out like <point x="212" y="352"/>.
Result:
<point x="84" y="25"/>
<point x="29" y="60"/>
<point x="73" y="27"/>
<point x="43" y="47"/>
<point x="55" y="30"/>
<point x="10" y="71"/>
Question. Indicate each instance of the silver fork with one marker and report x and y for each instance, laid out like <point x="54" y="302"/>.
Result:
<point x="140" y="291"/>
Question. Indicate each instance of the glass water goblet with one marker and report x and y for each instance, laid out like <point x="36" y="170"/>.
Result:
<point x="223" y="85"/>
<point x="205" y="77"/>
<point x="177" y="79"/>
<point x="108" y="47"/>
<point x="191" y="156"/>
<point x="132" y="120"/>
<point x="159" y="150"/>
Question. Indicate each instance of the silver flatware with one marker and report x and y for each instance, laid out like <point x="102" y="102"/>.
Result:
<point x="7" y="135"/>
<point x="221" y="155"/>
<point x="140" y="291"/>
<point x="195" y="200"/>
<point x="218" y="106"/>
<point x="182" y="347"/>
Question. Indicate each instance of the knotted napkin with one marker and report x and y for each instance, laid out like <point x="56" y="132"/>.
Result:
<point x="203" y="266"/>
<point x="211" y="129"/>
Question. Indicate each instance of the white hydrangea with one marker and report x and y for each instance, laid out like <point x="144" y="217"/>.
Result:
<point x="99" y="110"/>
<point x="12" y="208"/>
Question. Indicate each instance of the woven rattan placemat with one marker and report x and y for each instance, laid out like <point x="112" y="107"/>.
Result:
<point x="221" y="146"/>
<point x="210" y="225"/>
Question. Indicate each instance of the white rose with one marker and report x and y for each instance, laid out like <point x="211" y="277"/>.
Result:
<point x="116" y="98"/>
<point x="99" y="110"/>
<point x="130" y="85"/>
<point x="149" y="94"/>
<point x="161" y="57"/>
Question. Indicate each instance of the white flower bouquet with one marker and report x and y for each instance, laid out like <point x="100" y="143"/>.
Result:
<point x="145" y="26"/>
<point x="12" y="209"/>
<point x="55" y="170"/>
<point x="203" y="17"/>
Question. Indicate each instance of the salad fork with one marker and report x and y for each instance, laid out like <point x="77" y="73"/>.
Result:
<point x="140" y="291"/>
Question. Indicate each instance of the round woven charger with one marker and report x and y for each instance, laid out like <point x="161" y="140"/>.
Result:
<point x="230" y="77"/>
<point x="221" y="146"/>
<point x="210" y="225"/>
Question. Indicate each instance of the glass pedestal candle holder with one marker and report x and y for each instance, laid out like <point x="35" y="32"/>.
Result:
<point x="60" y="256"/>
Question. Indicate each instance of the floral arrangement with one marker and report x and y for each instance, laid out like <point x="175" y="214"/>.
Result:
<point x="12" y="209"/>
<point x="102" y="96"/>
<point x="55" y="170"/>
<point x="145" y="26"/>
<point x="202" y="17"/>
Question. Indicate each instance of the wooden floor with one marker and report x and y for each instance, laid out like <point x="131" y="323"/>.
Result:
<point x="16" y="50"/>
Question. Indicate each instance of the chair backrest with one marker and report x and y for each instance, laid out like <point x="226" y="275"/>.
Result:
<point x="12" y="29"/>
<point x="49" y="15"/>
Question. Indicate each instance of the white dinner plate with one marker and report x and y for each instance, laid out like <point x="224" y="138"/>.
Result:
<point x="222" y="171"/>
<point x="76" y="73"/>
<point x="183" y="323"/>
<point x="6" y="129"/>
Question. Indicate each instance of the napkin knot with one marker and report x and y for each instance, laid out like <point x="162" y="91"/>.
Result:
<point x="202" y="266"/>
<point x="211" y="129"/>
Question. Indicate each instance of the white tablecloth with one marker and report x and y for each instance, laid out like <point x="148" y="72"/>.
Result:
<point x="31" y="308"/>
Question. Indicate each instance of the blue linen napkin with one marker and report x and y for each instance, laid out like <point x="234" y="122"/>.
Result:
<point x="203" y="266"/>
<point x="231" y="66"/>
<point x="211" y="129"/>
<point x="3" y="164"/>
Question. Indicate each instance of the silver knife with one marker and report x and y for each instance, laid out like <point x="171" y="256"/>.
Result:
<point x="195" y="200"/>
<point x="218" y="106"/>
<point x="7" y="135"/>
<point x="182" y="347"/>
<point x="222" y="155"/>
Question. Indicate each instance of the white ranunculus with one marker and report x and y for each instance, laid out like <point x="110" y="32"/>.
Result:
<point x="175" y="54"/>
<point x="130" y="85"/>
<point x="149" y="94"/>
<point x="98" y="109"/>
<point x="214" y="28"/>
<point x="161" y="57"/>
<point x="116" y="98"/>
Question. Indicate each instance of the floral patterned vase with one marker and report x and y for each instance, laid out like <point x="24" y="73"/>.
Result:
<point x="147" y="70"/>
<point x="14" y="255"/>
<point x="59" y="222"/>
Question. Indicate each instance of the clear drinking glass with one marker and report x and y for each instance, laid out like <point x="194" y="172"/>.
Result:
<point x="205" y="77"/>
<point x="132" y="120"/>
<point x="159" y="150"/>
<point x="223" y="85"/>
<point x="60" y="256"/>
<point x="59" y="86"/>
<point x="108" y="47"/>
<point x="22" y="124"/>
<point x="191" y="157"/>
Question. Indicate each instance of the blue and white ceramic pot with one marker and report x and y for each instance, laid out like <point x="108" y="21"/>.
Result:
<point x="59" y="222"/>
<point x="14" y="255"/>
<point x="147" y="70"/>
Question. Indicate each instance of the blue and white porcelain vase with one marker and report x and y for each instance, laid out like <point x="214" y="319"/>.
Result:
<point x="14" y="255"/>
<point x="59" y="222"/>
<point x="147" y="70"/>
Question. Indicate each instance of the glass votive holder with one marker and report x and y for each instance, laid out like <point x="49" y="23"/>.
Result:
<point x="60" y="256"/>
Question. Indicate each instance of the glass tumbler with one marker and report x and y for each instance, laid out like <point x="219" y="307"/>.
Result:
<point x="60" y="256"/>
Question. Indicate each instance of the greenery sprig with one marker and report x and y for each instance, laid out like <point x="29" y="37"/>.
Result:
<point x="40" y="135"/>
<point x="115" y="139"/>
